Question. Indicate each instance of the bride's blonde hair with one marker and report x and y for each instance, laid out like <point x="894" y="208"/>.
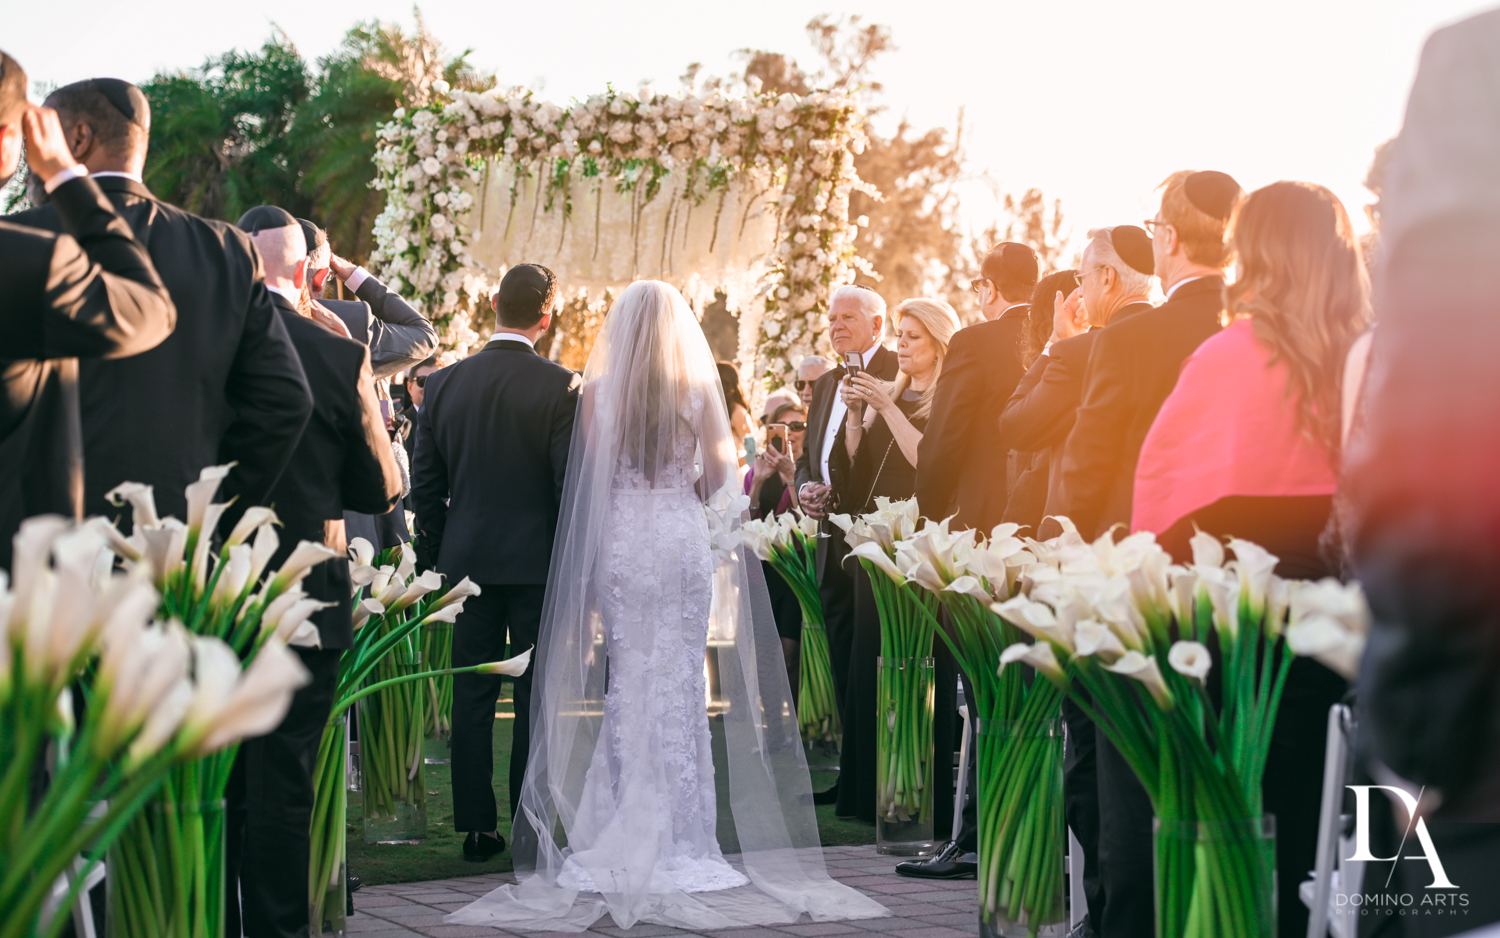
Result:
<point x="940" y="321"/>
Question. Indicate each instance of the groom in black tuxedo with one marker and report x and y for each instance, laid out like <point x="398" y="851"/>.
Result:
<point x="487" y="480"/>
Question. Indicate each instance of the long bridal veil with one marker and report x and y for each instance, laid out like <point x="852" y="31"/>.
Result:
<point x="607" y="826"/>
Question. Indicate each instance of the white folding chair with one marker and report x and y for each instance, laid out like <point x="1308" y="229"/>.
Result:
<point x="1333" y="876"/>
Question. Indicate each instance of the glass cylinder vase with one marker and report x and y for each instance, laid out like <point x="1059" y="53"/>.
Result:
<point x="817" y="705"/>
<point x="1023" y="836"/>
<point x="1215" y="879"/>
<point x="437" y="652"/>
<point x="326" y="871"/>
<point x="903" y="756"/>
<point x="166" y="873"/>
<point x="393" y="778"/>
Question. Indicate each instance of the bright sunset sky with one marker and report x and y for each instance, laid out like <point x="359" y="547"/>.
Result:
<point x="1092" y="101"/>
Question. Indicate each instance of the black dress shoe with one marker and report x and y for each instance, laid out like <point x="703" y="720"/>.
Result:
<point x="829" y="796"/>
<point x="480" y="847"/>
<point x="950" y="863"/>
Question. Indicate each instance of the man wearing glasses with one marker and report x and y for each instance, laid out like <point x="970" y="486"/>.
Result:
<point x="810" y="369"/>
<point x="1133" y="366"/>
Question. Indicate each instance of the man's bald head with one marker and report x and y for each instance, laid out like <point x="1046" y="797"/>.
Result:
<point x="107" y="122"/>
<point x="283" y="251"/>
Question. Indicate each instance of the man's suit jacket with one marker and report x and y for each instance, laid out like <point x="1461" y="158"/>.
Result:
<point x="492" y="451"/>
<point x="89" y="293"/>
<point x="961" y="459"/>
<point x="1038" y="417"/>
<point x="225" y="386"/>
<point x="397" y="335"/>
<point x="1132" y="368"/>
<point x="343" y="460"/>
<point x="883" y="365"/>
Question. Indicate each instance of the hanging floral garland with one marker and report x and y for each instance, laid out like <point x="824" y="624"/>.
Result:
<point x="433" y="161"/>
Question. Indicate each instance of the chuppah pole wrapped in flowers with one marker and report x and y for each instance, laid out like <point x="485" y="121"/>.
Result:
<point x="744" y="195"/>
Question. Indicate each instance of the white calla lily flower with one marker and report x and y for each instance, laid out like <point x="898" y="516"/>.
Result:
<point x="1092" y="638"/>
<point x="259" y="699"/>
<point x="1039" y="655"/>
<point x="1327" y="641"/>
<point x="1255" y="566"/>
<point x="1191" y="660"/>
<point x="251" y="521"/>
<point x="1208" y="551"/>
<point x="1144" y="668"/>
<point x="511" y="667"/>
<point x="970" y="586"/>
<point x="367" y="608"/>
<point x="142" y="503"/>
<point x="876" y="554"/>
<point x="361" y="552"/>
<point x="459" y="592"/>
<point x="200" y="495"/>
<point x="304" y="557"/>
<point x="294" y="628"/>
<point x="161" y="724"/>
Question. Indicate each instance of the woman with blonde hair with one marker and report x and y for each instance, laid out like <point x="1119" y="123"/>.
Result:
<point x="1248" y="446"/>
<point x="875" y="454"/>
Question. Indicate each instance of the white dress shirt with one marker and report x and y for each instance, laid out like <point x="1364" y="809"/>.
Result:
<point x="291" y="296"/>
<point x="358" y="277"/>
<point x="1180" y="283"/>
<point x="836" y="414"/>
<point x="512" y="337"/>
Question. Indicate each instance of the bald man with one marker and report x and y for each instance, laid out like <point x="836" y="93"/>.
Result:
<point x="342" y="461"/>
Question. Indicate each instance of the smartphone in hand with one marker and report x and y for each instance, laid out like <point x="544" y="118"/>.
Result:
<point x="854" y="363"/>
<point x="777" y="438"/>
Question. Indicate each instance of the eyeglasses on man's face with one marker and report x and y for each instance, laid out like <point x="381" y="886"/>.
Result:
<point x="978" y="282"/>
<point x="801" y="383"/>
<point x="1153" y="225"/>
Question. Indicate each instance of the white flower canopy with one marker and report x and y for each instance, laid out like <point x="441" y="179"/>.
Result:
<point x="748" y="196"/>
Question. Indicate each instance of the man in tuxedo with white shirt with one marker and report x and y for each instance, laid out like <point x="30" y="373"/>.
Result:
<point x="493" y="435"/>
<point x="856" y="318"/>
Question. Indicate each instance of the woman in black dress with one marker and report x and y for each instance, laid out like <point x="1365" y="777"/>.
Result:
<point x="875" y="454"/>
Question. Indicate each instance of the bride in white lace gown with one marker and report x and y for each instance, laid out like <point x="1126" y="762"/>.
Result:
<point x="620" y="803"/>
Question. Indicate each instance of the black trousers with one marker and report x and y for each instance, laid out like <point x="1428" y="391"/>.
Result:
<point x="1081" y="800"/>
<point x="836" y="590"/>
<point x="479" y="635"/>
<point x="1125" y="857"/>
<point x="857" y="758"/>
<point x="269" y="805"/>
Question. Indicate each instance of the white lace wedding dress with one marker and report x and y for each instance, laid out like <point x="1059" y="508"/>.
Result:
<point x="650" y="787"/>
<point x="619" y="809"/>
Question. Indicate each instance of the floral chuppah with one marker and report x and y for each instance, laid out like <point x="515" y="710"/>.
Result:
<point x="749" y="195"/>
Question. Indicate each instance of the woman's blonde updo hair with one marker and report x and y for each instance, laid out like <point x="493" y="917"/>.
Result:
<point x="941" y="322"/>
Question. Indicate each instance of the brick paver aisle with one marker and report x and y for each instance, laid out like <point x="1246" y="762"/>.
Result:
<point x="920" y="908"/>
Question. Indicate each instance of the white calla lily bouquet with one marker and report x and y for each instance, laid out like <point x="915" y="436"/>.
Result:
<point x="131" y="688"/>
<point x="788" y="542"/>
<point x="382" y="669"/>
<point x="1133" y="637"/>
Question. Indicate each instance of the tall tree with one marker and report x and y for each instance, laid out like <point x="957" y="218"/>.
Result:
<point x="219" y="134"/>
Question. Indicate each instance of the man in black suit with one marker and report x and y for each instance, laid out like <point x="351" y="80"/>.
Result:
<point x="397" y="335"/>
<point x="1041" y="412"/>
<point x="343" y="460"/>
<point x="91" y="292"/>
<point x="1114" y="285"/>
<point x="856" y="316"/>
<point x="1134" y="363"/>
<point x="961" y="459"/>
<point x="1132" y="368"/>
<point x="492" y="450"/>
<point x="226" y="386"/>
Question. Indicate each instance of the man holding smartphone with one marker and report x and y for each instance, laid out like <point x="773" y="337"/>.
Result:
<point x="856" y="318"/>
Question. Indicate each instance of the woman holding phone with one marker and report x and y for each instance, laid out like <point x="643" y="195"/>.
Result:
<point x="875" y="454"/>
<point x="769" y="485"/>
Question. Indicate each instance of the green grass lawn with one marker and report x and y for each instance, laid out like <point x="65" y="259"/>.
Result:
<point x="441" y="854"/>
